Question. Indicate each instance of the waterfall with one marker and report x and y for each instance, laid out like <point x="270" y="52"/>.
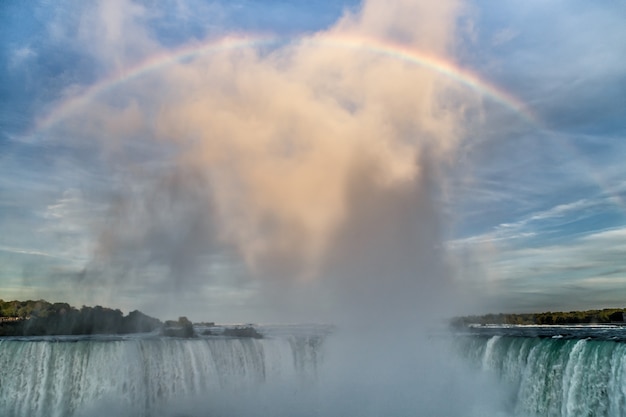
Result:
<point x="288" y="374"/>
<point x="141" y="376"/>
<point x="554" y="377"/>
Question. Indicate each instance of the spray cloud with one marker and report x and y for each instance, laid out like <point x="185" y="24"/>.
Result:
<point x="305" y="174"/>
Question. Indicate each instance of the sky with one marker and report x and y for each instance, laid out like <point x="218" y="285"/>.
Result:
<point x="282" y="161"/>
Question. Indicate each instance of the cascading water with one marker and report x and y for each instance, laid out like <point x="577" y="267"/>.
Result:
<point x="142" y="376"/>
<point x="288" y="373"/>
<point x="552" y="377"/>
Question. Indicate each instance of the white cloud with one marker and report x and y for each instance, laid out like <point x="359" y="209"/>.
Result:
<point x="610" y="237"/>
<point x="594" y="262"/>
<point x="533" y="225"/>
<point x="504" y="36"/>
<point x="22" y="251"/>
<point x="69" y="223"/>
<point x="20" y="57"/>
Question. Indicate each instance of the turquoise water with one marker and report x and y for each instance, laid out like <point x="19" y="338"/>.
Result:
<point x="553" y="377"/>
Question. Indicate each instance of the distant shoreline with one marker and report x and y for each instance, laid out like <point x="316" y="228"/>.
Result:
<point x="41" y="318"/>
<point x="582" y="325"/>
<point x="607" y="316"/>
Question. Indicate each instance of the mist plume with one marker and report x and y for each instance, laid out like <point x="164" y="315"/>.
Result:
<point x="311" y="174"/>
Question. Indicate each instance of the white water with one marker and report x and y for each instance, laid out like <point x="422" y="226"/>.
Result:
<point x="289" y="373"/>
<point x="548" y="377"/>
<point x="144" y="377"/>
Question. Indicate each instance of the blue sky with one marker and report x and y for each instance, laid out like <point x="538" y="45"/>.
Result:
<point x="104" y="207"/>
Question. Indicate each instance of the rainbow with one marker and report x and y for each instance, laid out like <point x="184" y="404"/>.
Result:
<point x="437" y="64"/>
<point x="73" y="104"/>
<point x="70" y="105"/>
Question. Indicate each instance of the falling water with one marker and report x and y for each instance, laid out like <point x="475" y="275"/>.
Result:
<point x="141" y="376"/>
<point x="554" y="377"/>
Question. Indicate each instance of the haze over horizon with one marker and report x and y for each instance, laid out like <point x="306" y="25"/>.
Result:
<point x="283" y="162"/>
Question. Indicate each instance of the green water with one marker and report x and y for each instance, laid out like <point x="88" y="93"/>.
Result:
<point x="554" y="377"/>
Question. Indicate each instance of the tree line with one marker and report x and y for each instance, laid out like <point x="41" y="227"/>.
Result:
<point x="604" y="316"/>
<point x="42" y="318"/>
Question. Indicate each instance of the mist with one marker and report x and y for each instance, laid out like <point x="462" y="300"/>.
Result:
<point x="304" y="179"/>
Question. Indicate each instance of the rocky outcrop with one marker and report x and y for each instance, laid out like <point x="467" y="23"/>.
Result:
<point x="181" y="328"/>
<point x="242" y="331"/>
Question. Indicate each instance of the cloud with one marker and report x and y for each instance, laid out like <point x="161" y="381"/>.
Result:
<point x="550" y="221"/>
<point x="586" y="272"/>
<point x="20" y="57"/>
<point x="504" y="36"/>
<point x="26" y="252"/>
<point x="565" y="70"/>
<point x="312" y="173"/>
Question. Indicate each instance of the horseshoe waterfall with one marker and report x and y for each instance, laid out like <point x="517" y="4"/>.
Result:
<point x="304" y="373"/>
